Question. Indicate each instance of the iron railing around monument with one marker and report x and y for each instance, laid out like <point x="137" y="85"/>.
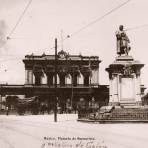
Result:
<point x="126" y="114"/>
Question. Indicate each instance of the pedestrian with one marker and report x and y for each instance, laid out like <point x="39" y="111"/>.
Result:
<point x="68" y="106"/>
<point x="7" y="110"/>
<point x="81" y="106"/>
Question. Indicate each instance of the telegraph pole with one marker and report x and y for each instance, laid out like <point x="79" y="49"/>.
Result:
<point x="55" y="102"/>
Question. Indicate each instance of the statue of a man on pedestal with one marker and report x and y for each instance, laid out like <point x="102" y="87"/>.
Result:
<point x="122" y="42"/>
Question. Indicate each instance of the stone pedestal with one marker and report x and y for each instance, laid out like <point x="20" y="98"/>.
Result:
<point x="125" y="85"/>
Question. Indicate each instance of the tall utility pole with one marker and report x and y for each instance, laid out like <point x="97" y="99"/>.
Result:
<point x="55" y="102"/>
<point x="72" y="85"/>
<point x="62" y="39"/>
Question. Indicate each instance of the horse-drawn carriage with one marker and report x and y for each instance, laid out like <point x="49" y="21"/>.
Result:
<point x="28" y="104"/>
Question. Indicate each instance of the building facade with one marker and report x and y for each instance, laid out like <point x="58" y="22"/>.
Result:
<point x="77" y="77"/>
<point x="71" y="69"/>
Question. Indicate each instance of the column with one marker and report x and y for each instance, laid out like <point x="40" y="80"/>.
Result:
<point x="119" y="87"/>
<point x="49" y="71"/>
<point x="138" y="89"/>
<point x="86" y="72"/>
<point x="95" y="76"/>
<point x="62" y="79"/>
<point x="28" y="76"/>
<point x="50" y="79"/>
<point x="37" y="79"/>
<point x="86" y="80"/>
<point x="110" y="91"/>
<point x="38" y="73"/>
<point x="115" y="88"/>
<point x="75" y="79"/>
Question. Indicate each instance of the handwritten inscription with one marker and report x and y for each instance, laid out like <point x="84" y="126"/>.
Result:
<point x="72" y="142"/>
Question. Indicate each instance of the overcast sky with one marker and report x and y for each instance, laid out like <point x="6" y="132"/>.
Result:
<point x="44" y="20"/>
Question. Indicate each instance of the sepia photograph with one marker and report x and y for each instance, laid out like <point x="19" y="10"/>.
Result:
<point x="73" y="74"/>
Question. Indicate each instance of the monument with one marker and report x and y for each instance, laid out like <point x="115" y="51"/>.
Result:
<point x="125" y="89"/>
<point x="124" y="74"/>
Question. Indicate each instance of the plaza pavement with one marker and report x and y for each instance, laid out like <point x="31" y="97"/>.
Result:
<point x="40" y="131"/>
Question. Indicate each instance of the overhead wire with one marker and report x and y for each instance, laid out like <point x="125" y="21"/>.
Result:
<point x="93" y="22"/>
<point x="76" y="32"/>
<point x="98" y="19"/>
<point x="20" y="18"/>
<point x="17" y="23"/>
<point x="11" y="32"/>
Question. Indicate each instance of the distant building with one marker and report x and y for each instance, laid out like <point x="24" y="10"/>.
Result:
<point x="72" y="69"/>
<point x="78" y="76"/>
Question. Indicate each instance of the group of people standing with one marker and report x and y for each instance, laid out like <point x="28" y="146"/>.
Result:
<point x="85" y="107"/>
